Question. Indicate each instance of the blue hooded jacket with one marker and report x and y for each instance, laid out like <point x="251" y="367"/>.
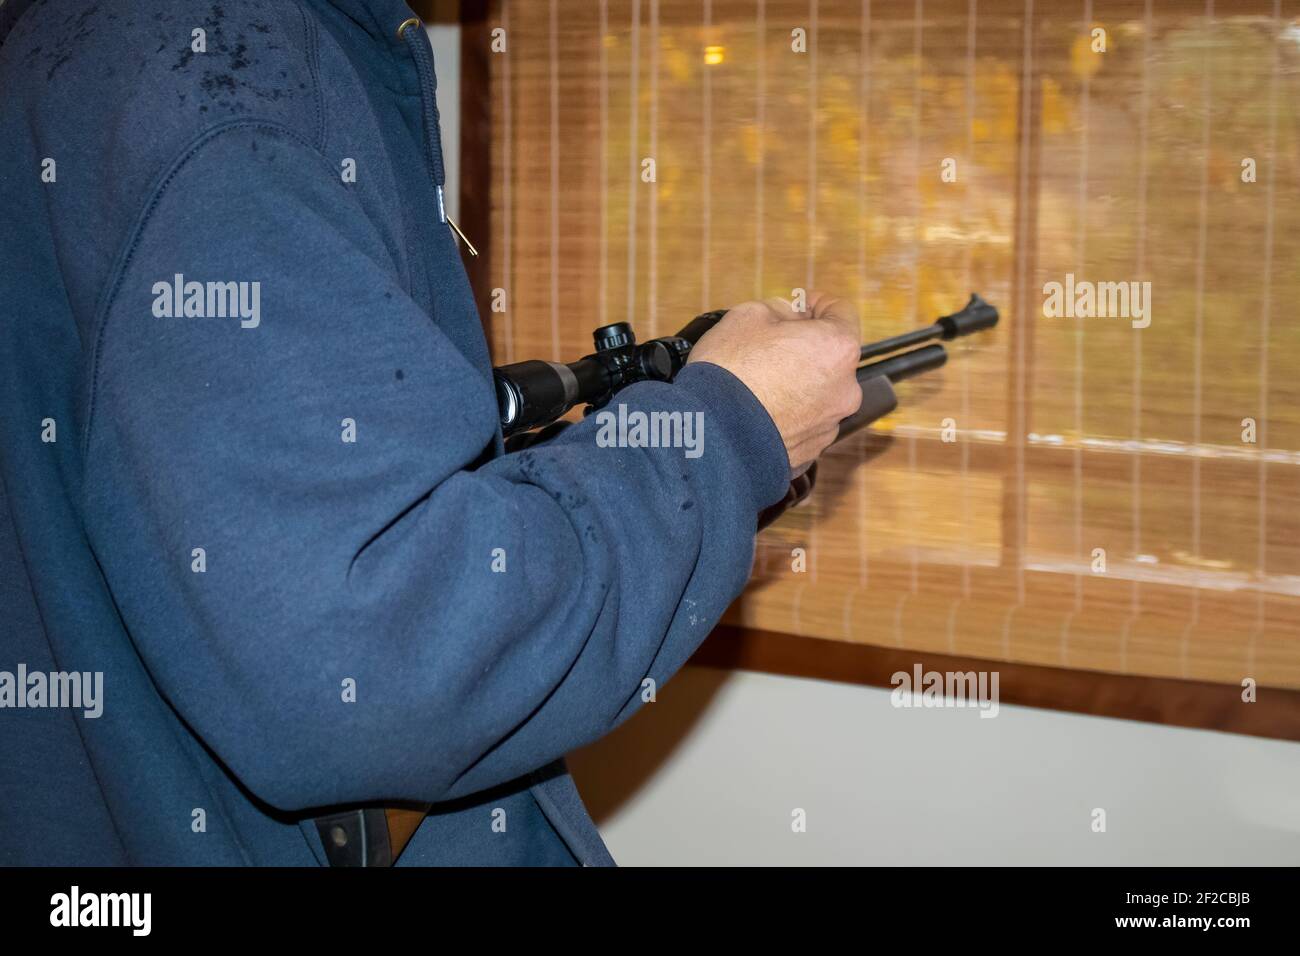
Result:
<point x="252" y="472"/>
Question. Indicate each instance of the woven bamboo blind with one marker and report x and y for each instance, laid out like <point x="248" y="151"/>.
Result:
<point x="1071" y="492"/>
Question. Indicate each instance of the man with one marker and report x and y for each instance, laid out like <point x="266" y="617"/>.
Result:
<point x="254" y="486"/>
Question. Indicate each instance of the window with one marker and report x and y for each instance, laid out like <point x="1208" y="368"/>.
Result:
<point x="1116" y="496"/>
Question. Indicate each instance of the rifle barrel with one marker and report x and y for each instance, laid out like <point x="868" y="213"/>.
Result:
<point x="898" y="368"/>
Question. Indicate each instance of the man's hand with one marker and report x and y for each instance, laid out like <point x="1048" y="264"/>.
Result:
<point x="800" y="366"/>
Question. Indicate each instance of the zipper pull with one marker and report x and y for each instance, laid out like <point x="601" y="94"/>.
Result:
<point x="463" y="238"/>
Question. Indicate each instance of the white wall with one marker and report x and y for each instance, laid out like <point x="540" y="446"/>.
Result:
<point x="709" y="775"/>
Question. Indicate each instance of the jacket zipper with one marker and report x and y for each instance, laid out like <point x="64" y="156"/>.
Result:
<point x="412" y="32"/>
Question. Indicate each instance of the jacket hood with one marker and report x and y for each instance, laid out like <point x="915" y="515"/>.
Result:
<point x="379" y="18"/>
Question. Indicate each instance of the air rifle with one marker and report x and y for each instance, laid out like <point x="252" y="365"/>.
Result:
<point x="534" y="394"/>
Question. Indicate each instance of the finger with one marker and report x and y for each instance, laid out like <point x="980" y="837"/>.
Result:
<point x="833" y="309"/>
<point x="783" y="308"/>
<point x="818" y="298"/>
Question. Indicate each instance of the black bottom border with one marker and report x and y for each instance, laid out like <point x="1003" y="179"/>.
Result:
<point x="946" y="904"/>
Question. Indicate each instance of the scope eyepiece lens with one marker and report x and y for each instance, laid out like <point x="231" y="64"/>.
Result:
<point x="507" y="401"/>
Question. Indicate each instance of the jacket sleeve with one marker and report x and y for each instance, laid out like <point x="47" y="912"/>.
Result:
<point x="327" y="571"/>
